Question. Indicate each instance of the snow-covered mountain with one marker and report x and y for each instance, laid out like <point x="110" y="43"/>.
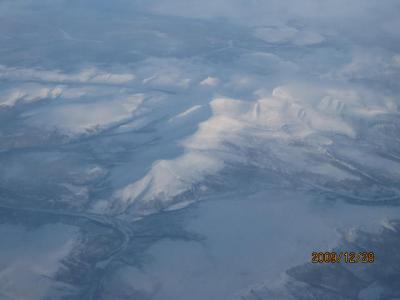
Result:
<point x="134" y="123"/>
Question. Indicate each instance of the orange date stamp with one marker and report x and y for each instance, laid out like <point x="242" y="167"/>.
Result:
<point x="342" y="257"/>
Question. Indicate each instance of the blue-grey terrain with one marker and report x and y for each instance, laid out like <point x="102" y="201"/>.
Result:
<point x="198" y="150"/>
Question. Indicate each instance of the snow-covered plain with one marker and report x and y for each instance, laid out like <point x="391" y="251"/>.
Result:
<point x="31" y="258"/>
<point x="216" y="142"/>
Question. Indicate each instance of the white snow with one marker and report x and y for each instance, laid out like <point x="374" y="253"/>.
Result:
<point x="287" y="34"/>
<point x="165" y="180"/>
<point x="29" y="93"/>
<point x="76" y="118"/>
<point x="186" y="114"/>
<point x="87" y="75"/>
<point x="270" y="124"/>
<point x="210" y="81"/>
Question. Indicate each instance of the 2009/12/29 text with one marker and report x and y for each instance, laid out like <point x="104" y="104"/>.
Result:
<point x="342" y="257"/>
